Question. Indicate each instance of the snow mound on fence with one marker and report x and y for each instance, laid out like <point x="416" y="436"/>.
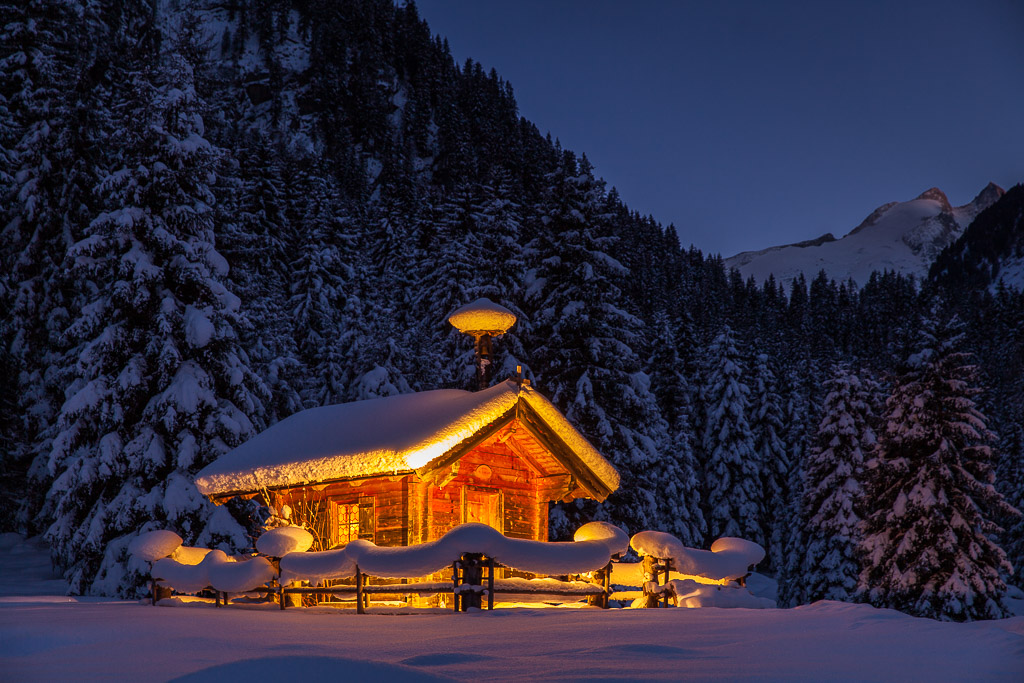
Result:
<point x="153" y="545"/>
<point x="738" y="547"/>
<point x="184" y="578"/>
<point x="729" y="558"/>
<point x="216" y="570"/>
<point x="318" y="566"/>
<point x="537" y="557"/>
<point x="612" y="536"/>
<point x="283" y="540"/>
<point x="237" y="577"/>
<point x="189" y="555"/>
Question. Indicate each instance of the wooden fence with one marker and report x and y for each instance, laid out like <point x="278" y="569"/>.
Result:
<point x="473" y="578"/>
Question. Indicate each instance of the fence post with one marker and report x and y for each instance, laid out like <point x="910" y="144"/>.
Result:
<point x="359" y="592"/>
<point x="472" y="575"/>
<point x="455" y="585"/>
<point x="607" y="584"/>
<point x="280" y="594"/>
<point x="490" y="583"/>
<point x="664" y="593"/>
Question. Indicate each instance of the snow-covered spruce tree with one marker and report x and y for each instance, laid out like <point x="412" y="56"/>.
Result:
<point x="771" y="453"/>
<point x="799" y="385"/>
<point x="53" y="119"/>
<point x="678" y="485"/>
<point x="474" y="252"/>
<point x="380" y="337"/>
<point x="447" y="279"/>
<point x="319" y="277"/>
<point x="732" y="479"/>
<point x="833" y="475"/>
<point x="928" y="547"/>
<point x="372" y="341"/>
<point x="161" y="385"/>
<point x="501" y="270"/>
<point x="585" y="357"/>
<point x="1011" y="478"/>
<point x="251" y="220"/>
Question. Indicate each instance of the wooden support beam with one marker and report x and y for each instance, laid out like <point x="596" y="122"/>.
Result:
<point x="490" y="583"/>
<point x="455" y="584"/>
<point x="469" y="444"/>
<point x="563" y="454"/>
<point x="607" y="584"/>
<point x="359" y="592"/>
<point x="531" y="462"/>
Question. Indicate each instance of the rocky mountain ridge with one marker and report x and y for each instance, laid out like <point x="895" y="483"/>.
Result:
<point x="905" y="237"/>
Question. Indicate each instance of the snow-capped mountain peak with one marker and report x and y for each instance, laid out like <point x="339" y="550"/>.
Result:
<point x="901" y="236"/>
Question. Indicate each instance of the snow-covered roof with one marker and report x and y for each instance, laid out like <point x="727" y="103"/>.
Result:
<point x="385" y="436"/>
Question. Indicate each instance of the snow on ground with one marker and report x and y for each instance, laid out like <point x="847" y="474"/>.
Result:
<point x="25" y="568"/>
<point x="44" y="638"/>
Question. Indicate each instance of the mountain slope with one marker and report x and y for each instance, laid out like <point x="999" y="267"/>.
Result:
<point x="901" y="236"/>
<point x="991" y="250"/>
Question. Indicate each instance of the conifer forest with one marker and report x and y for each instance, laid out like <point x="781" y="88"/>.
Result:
<point x="216" y="214"/>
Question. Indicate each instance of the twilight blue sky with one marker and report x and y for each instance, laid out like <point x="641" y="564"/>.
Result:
<point x="749" y="124"/>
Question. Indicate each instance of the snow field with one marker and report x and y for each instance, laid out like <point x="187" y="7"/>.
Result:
<point x="824" y="641"/>
<point x="49" y="636"/>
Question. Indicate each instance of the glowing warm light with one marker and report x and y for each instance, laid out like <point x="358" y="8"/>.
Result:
<point x="345" y="441"/>
<point x="483" y="316"/>
<point x="702" y="579"/>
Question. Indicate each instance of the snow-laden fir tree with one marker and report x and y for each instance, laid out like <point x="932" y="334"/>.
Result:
<point x="927" y="547"/>
<point x="449" y="278"/>
<point x="678" y="484"/>
<point x="372" y="341"/>
<point x="732" y="476"/>
<point x="501" y="269"/>
<point x="319" y="276"/>
<point x="251" y="221"/>
<point x="830" y="513"/>
<point x="1011" y="479"/>
<point x="585" y="356"/>
<point x="162" y="386"/>
<point x="54" y="121"/>
<point x="766" y="424"/>
<point x="471" y="251"/>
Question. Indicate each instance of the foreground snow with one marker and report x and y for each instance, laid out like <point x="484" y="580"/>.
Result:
<point x="49" y="637"/>
<point x="59" y="641"/>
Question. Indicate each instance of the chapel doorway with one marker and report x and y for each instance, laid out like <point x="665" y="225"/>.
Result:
<point x="482" y="505"/>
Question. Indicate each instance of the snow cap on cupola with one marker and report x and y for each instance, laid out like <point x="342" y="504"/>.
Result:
<point x="483" y="316"/>
<point x="483" y="319"/>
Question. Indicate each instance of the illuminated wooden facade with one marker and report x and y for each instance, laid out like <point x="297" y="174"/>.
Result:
<point x="503" y="473"/>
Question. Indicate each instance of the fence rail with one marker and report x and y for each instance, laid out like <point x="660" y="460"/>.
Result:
<point x="473" y="578"/>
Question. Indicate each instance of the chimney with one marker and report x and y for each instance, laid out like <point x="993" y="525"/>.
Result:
<point x="483" y="319"/>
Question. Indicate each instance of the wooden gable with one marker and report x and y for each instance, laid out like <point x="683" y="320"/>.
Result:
<point x="506" y="478"/>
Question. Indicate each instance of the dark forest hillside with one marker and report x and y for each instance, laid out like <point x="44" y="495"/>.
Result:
<point x="217" y="214"/>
